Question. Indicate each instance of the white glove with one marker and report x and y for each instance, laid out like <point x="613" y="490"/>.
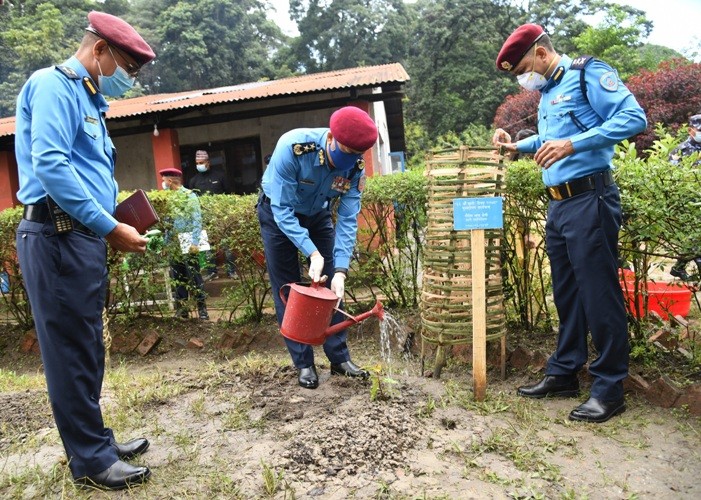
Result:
<point x="316" y="266"/>
<point x="338" y="284"/>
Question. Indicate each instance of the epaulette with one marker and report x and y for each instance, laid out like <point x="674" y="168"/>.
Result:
<point x="303" y="148"/>
<point x="68" y="72"/>
<point x="580" y="63"/>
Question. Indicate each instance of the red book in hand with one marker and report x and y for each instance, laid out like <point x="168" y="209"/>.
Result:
<point x="137" y="211"/>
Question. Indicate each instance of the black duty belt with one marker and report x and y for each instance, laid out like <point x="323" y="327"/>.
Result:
<point x="40" y="213"/>
<point x="578" y="186"/>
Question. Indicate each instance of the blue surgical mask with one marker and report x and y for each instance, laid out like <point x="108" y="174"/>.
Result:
<point x="116" y="84"/>
<point x="341" y="160"/>
<point x="201" y="167"/>
<point x="697" y="137"/>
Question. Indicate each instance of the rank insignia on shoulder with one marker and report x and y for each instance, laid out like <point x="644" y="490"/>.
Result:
<point x="360" y="164"/>
<point x="322" y="157"/>
<point x="89" y="85"/>
<point x="609" y="81"/>
<point x="69" y="72"/>
<point x="302" y="148"/>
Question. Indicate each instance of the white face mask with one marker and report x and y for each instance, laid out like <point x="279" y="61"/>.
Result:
<point x="164" y="185"/>
<point x="532" y="81"/>
<point x="697" y="137"/>
<point x="201" y="167"/>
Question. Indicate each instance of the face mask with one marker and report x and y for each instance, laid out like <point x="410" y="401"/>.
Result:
<point x="341" y="160"/>
<point x="164" y="185"/>
<point x="533" y="80"/>
<point x="116" y="84"/>
<point x="201" y="167"/>
<point x="697" y="137"/>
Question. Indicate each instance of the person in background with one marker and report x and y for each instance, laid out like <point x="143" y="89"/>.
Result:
<point x="577" y="132"/>
<point x="66" y="161"/>
<point x="522" y="134"/>
<point x="308" y="170"/>
<point x="690" y="146"/>
<point x="185" y="267"/>
<point x="208" y="181"/>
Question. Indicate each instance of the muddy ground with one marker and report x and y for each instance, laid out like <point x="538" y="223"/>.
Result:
<point x="235" y="424"/>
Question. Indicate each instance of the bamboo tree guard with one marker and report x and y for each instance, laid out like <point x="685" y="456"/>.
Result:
<point x="446" y="298"/>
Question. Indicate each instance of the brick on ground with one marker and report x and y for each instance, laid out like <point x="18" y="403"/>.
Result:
<point x="663" y="392"/>
<point x="691" y="399"/>
<point x="29" y="341"/>
<point x="150" y="341"/>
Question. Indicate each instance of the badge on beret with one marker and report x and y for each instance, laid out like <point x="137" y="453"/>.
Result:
<point x="302" y="148"/>
<point x="341" y="184"/>
<point x="609" y="81"/>
<point x="506" y="65"/>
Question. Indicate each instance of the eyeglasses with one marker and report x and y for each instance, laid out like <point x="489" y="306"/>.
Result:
<point x="131" y="69"/>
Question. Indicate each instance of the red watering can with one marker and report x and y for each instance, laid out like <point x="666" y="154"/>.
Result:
<point x="309" y="310"/>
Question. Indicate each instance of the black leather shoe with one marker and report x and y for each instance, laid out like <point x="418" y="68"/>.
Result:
<point x="132" y="448"/>
<point x="563" y="386"/>
<point x="349" y="369"/>
<point x="117" y="477"/>
<point x="597" y="411"/>
<point x="308" y="377"/>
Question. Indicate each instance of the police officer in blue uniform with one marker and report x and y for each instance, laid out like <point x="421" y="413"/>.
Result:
<point x="584" y="111"/>
<point x="65" y="160"/>
<point x="310" y="169"/>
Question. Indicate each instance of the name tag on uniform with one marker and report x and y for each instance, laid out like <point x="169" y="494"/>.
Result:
<point x="91" y="119"/>
<point x="341" y="184"/>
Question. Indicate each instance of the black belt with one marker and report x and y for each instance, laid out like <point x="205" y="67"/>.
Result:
<point x="40" y="213"/>
<point x="578" y="186"/>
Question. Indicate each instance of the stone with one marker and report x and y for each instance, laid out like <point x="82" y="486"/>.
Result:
<point x="195" y="343"/>
<point x="521" y="357"/>
<point x="149" y="342"/>
<point x="227" y="341"/>
<point x="663" y="392"/>
<point x="691" y="399"/>
<point x="28" y="341"/>
<point x="635" y="383"/>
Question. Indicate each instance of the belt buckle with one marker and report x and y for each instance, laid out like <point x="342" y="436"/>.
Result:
<point x="554" y="193"/>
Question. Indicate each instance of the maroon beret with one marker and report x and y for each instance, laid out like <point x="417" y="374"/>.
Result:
<point x="516" y="46"/>
<point x="122" y="35"/>
<point x="353" y="128"/>
<point x="170" y="172"/>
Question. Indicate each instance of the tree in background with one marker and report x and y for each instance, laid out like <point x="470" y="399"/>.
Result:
<point x="213" y="43"/>
<point x="339" y="34"/>
<point x="669" y="95"/>
<point x="519" y="111"/>
<point x="33" y="35"/>
<point x="454" y="80"/>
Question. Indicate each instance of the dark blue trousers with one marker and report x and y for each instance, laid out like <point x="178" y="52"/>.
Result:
<point x="281" y="257"/>
<point x="66" y="278"/>
<point x="582" y="244"/>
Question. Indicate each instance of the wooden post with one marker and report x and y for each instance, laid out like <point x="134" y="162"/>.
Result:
<point x="479" y="315"/>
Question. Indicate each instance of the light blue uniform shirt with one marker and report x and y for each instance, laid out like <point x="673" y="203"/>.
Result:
<point x="305" y="184"/>
<point x="612" y="115"/>
<point x="63" y="149"/>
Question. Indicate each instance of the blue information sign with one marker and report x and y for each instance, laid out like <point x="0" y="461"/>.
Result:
<point x="478" y="213"/>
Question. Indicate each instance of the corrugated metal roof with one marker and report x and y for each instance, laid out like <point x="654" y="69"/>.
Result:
<point x="369" y="76"/>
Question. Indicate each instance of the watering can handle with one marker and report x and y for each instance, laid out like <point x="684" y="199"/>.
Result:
<point x="282" y="295"/>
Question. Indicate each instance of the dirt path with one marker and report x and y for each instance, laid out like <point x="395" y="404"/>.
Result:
<point x="242" y="428"/>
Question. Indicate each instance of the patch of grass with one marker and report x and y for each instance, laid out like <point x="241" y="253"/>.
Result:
<point x="238" y="417"/>
<point x="271" y="479"/>
<point x="10" y="381"/>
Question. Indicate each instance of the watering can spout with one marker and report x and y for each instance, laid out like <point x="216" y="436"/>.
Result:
<point x="378" y="311"/>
